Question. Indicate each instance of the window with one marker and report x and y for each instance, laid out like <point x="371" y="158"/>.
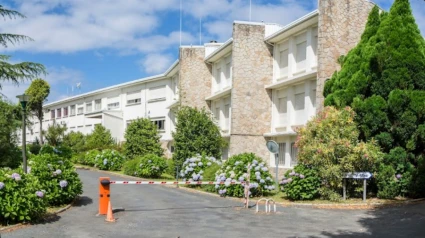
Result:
<point x="160" y="123"/>
<point x="113" y="105"/>
<point x="59" y="113"/>
<point x="80" y="110"/>
<point x="133" y="98"/>
<point x="227" y="71"/>
<point x="283" y="62"/>
<point x="294" y="154"/>
<point x="299" y="101"/>
<point x="217" y="115"/>
<point x="314" y="40"/>
<point x="98" y="105"/>
<point x="218" y="79"/>
<point x="65" y="111"/>
<point x="52" y="114"/>
<point x="282" y="110"/>
<point x="72" y="110"/>
<point x="157" y="93"/>
<point x="89" y="107"/>
<point x="301" y="51"/>
<point x="282" y="152"/>
<point x="226" y="115"/>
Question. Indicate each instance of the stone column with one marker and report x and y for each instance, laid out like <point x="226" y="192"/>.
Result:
<point x="195" y="77"/>
<point x="251" y="102"/>
<point x="341" y="24"/>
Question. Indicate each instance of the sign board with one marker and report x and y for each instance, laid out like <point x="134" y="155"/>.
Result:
<point x="272" y="146"/>
<point x="358" y="175"/>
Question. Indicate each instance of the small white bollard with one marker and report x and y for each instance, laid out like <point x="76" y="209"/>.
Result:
<point x="269" y="201"/>
<point x="267" y="206"/>
<point x="256" y="205"/>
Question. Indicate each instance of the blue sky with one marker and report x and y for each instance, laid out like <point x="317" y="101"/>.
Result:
<point x="105" y="42"/>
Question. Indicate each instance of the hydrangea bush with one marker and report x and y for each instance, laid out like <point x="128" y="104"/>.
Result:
<point x="109" y="160"/>
<point x="148" y="166"/>
<point x="236" y="169"/>
<point x="302" y="183"/>
<point x="194" y="168"/>
<point x="21" y="197"/>
<point x="57" y="177"/>
<point x="89" y="157"/>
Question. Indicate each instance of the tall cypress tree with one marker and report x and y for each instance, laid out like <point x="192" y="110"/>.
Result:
<point x="383" y="79"/>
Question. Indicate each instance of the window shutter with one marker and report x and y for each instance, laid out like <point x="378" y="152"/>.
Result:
<point x="157" y="92"/>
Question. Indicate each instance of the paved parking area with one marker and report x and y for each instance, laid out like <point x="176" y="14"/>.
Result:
<point x="159" y="211"/>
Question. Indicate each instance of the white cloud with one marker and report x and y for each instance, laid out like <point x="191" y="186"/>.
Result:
<point x="156" y="63"/>
<point x="60" y="79"/>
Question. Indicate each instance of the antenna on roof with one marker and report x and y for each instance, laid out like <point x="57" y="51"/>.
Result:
<point x="200" y="30"/>
<point x="79" y="87"/>
<point x="180" y="22"/>
<point x="249" y="10"/>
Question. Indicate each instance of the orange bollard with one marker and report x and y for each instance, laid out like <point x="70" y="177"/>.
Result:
<point x="104" y="195"/>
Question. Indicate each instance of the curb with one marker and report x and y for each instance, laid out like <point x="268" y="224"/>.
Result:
<point x="336" y="206"/>
<point x="20" y="225"/>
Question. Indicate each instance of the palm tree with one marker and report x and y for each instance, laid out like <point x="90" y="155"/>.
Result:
<point x="21" y="71"/>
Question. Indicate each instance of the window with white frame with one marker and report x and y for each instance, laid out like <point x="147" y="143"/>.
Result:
<point x="223" y="73"/>
<point x="98" y="104"/>
<point x="282" y="152"/>
<point x="72" y="107"/>
<point x="160" y="123"/>
<point x="301" y="51"/>
<point x="283" y="60"/>
<point x="217" y="115"/>
<point x="218" y="79"/>
<point x="282" y="107"/>
<point x="226" y="116"/>
<point x="65" y="112"/>
<point x="113" y="103"/>
<point x="294" y="154"/>
<point x="176" y="86"/>
<point x="89" y="107"/>
<point x="314" y="42"/>
<point x="157" y="93"/>
<point x="59" y="112"/>
<point x="134" y="98"/>
<point x="299" y="97"/>
<point x="52" y="114"/>
<point x="80" y="110"/>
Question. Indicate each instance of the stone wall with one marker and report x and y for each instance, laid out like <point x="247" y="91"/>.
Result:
<point x="251" y="102"/>
<point x="341" y="24"/>
<point x="195" y="77"/>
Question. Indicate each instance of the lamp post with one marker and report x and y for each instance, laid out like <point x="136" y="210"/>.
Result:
<point x="23" y="99"/>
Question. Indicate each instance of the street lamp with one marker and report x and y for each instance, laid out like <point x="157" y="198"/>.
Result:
<point x="23" y="99"/>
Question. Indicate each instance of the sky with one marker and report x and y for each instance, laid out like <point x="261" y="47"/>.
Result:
<point x="100" y="43"/>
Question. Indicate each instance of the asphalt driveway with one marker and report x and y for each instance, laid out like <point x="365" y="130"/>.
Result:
<point x="159" y="211"/>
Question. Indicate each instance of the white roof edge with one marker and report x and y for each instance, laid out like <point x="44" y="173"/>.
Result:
<point x="256" y="23"/>
<point x="292" y="24"/>
<point x="110" y="88"/>
<point x="224" y="45"/>
<point x="192" y="46"/>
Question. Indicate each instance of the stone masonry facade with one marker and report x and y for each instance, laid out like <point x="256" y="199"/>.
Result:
<point x="251" y="103"/>
<point x="195" y="77"/>
<point x="341" y="24"/>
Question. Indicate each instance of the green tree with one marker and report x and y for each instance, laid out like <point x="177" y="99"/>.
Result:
<point x="329" y="143"/>
<point x="100" y="138"/>
<point x="39" y="90"/>
<point x="55" y="133"/>
<point x="10" y="122"/>
<point x="142" y="138"/>
<point x="195" y="134"/>
<point x="20" y="71"/>
<point x="75" y="140"/>
<point x="383" y="79"/>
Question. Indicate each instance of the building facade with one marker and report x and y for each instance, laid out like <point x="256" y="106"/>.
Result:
<point x="262" y="84"/>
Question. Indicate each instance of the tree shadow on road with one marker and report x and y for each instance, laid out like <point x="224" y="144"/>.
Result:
<point x="396" y="221"/>
<point x="83" y="201"/>
<point x="137" y="209"/>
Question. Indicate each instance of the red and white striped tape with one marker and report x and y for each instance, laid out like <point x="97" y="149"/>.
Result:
<point x="171" y="182"/>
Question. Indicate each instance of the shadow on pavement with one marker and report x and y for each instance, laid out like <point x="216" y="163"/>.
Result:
<point x="83" y="201"/>
<point x="399" y="221"/>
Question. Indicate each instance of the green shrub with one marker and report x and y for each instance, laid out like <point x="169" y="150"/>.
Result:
<point x="57" y="177"/>
<point x="46" y="149"/>
<point x="75" y="140"/>
<point x="142" y="138"/>
<point x="195" y="133"/>
<point x="109" y="160"/>
<point x="63" y="151"/>
<point x="100" y="138"/>
<point x="77" y="158"/>
<point x="148" y="166"/>
<point x="236" y="169"/>
<point x="89" y="157"/>
<point x="10" y="122"/>
<point x="194" y="168"/>
<point x="21" y="197"/>
<point x="34" y="148"/>
<point x="329" y="143"/>
<point x="171" y="169"/>
<point x="209" y="175"/>
<point x="302" y="183"/>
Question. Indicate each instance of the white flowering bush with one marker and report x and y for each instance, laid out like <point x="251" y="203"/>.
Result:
<point x="235" y="169"/>
<point x="148" y="166"/>
<point x="194" y="168"/>
<point x="109" y="160"/>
